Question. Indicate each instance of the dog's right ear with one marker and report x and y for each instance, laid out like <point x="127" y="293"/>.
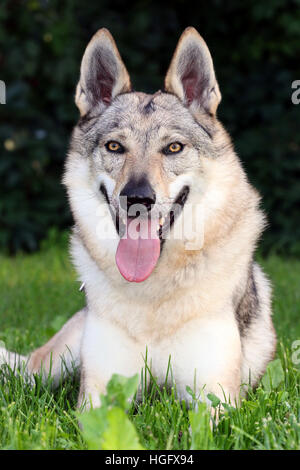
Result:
<point x="102" y="74"/>
<point x="191" y="75"/>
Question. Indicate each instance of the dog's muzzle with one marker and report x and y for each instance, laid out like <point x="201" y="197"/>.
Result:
<point x="141" y="231"/>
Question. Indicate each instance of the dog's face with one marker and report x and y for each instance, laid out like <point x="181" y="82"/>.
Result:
<point x="143" y="156"/>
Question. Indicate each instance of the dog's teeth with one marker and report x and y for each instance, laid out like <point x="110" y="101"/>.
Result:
<point x="161" y="221"/>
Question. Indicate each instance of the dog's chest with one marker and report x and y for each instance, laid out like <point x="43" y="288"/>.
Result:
<point x="196" y="345"/>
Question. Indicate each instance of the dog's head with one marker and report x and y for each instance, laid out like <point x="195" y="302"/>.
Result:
<point x="139" y="160"/>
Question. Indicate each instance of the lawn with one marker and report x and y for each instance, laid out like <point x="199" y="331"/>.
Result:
<point x="39" y="292"/>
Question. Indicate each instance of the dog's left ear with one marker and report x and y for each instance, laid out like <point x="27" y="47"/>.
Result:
<point x="103" y="74"/>
<point x="191" y="74"/>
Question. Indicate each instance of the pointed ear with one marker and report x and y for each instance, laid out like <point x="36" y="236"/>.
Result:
<point x="191" y="74"/>
<point x="102" y="74"/>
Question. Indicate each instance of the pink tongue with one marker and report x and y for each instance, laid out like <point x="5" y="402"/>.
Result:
<point x="138" y="252"/>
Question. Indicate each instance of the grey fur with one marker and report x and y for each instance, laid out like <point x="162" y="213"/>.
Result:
<point x="248" y="306"/>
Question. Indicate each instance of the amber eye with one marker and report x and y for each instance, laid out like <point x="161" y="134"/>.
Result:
<point x="113" y="146"/>
<point x="174" y="147"/>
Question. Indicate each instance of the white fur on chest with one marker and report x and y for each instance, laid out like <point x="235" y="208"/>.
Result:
<point x="197" y="351"/>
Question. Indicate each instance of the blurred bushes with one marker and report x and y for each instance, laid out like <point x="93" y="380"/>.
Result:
<point x="256" y="50"/>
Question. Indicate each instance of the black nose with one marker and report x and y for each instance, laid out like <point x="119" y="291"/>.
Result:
<point x="137" y="192"/>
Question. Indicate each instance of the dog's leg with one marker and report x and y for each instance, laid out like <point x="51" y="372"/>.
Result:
<point x="61" y="355"/>
<point x="207" y="357"/>
<point x="92" y="385"/>
<point x="106" y="350"/>
<point x="58" y="357"/>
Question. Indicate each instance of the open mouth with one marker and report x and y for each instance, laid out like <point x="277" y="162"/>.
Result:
<point x="177" y="206"/>
<point x="142" y="238"/>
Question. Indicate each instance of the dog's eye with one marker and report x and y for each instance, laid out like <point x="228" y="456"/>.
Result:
<point x="174" y="147"/>
<point x="113" y="146"/>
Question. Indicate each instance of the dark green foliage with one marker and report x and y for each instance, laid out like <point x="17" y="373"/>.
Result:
<point x="256" y="50"/>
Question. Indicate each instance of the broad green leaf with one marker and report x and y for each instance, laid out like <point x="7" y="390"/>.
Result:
<point x="120" y="434"/>
<point x="121" y="390"/>
<point x="215" y="401"/>
<point x="274" y="375"/>
<point x="93" y="423"/>
<point x="109" y="427"/>
<point x="190" y="392"/>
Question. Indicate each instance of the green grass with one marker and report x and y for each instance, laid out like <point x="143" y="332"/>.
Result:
<point x="39" y="292"/>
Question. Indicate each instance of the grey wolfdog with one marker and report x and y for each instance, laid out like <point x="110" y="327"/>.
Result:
<point x="166" y="225"/>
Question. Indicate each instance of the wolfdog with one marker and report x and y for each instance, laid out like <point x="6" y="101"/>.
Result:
<point x="139" y="168"/>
